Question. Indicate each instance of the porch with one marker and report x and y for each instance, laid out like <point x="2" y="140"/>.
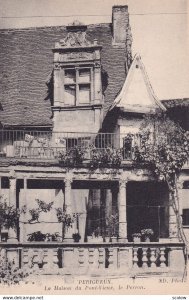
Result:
<point x="115" y="253"/>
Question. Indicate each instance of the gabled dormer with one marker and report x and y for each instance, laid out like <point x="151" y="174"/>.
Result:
<point x="137" y="95"/>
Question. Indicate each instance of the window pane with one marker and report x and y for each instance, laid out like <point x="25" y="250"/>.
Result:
<point x="185" y="216"/>
<point x="84" y="93"/>
<point x="70" y="76"/>
<point x="84" y="75"/>
<point x="69" y="94"/>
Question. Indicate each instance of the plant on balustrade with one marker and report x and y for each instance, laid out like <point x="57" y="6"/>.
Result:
<point x="105" y="157"/>
<point x="72" y="157"/>
<point x="36" y="236"/>
<point x="147" y="233"/>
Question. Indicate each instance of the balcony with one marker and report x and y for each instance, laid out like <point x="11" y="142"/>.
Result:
<point x="47" y="145"/>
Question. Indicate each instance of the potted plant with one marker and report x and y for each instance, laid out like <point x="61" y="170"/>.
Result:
<point x="112" y="227"/>
<point x="147" y="234"/>
<point x="136" y="237"/>
<point x="76" y="237"/>
<point x="96" y="236"/>
<point x="37" y="236"/>
<point x="54" y="237"/>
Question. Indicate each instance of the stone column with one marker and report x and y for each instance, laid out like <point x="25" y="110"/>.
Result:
<point x="122" y="212"/>
<point x="68" y="205"/>
<point x="173" y="226"/>
<point x="24" y="217"/>
<point x="12" y="233"/>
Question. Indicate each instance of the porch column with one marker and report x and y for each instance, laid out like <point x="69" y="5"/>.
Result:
<point x="24" y="217"/>
<point x="12" y="233"/>
<point x="68" y="206"/>
<point x="122" y="211"/>
<point x="173" y="226"/>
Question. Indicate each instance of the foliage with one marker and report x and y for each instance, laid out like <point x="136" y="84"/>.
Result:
<point x="137" y="235"/>
<point x="37" y="236"/>
<point x="42" y="207"/>
<point x="9" y="216"/>
<point x="76" y="237"/>
<point x="10" y="273"/>
<point x="54" y="237"/>
<point x="165" y="146"/>
<point x="64" y="217"/>
<point x="103" y="157"/>
<point x="147" y="232"/>
<point x="112" y="225"/>
<point x="72" y="157"/>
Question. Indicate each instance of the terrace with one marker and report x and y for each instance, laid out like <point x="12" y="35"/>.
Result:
<point x="24" y="144"/>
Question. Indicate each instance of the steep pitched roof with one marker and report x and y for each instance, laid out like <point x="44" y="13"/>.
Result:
<point x="26" y="62"/>
<point x="182" y="102"/>
<point x="137" y="94"/>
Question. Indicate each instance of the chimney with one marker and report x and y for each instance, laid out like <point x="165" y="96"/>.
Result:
<point x="120" y="22"/>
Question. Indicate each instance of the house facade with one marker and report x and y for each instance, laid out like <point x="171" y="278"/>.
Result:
<point x="69" y="98"/>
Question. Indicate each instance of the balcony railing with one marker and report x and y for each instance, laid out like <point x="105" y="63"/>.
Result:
<point x="49" y="145"/>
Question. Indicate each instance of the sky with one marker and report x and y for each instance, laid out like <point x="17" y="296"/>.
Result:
<point x="160" y="30"/>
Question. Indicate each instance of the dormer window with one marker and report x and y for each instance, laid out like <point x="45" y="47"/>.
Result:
<point x="77" y="86"/>
<point x="77" y="70"/>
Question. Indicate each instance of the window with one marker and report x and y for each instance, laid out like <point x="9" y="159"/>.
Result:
<point x="185" y="217"/>
<point x="77" y="86"/>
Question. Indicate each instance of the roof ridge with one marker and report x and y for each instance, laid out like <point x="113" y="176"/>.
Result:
<point x="50" y="27"/>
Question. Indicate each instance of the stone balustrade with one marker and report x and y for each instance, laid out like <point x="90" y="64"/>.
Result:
<point x="112" y="259"/>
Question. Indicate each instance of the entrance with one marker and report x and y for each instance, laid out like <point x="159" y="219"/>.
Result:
<point x="147" y="208"/>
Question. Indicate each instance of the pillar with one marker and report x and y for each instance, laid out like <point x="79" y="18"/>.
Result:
<point x="122" y="212"/>
<point x="24" y="217"/>
<point x="68" y="205"/>
<point x="12" y="233"/>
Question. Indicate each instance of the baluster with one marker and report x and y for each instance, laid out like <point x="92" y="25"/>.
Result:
<point x="135" y="257"/>
<point x="55" y="259"/>
<point x="153" y="257"/>
<point x="101" y="259"/>
<point x="37" y="259"/>
<point x="91" y="257"/>
<point x="144" y="257"/>
<point x="112" y="260"/>
<point x="162" y="258"/>
<point x="81" y="258"/>
<point x="50" y="260"/>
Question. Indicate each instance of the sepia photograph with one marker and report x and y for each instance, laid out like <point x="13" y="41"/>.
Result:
<point x="94" y="147"/>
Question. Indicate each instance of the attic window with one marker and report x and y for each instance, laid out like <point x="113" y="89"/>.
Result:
<point x="77" y="86"/>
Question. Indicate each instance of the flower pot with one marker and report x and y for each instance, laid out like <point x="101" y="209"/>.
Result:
<point x="136" y="239"/>
<point x="113" y="239"/>
<point x="147" y="239"/>
<point x="106" y="239"/>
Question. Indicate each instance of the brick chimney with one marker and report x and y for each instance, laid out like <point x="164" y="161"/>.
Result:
<point x="120" y="22"/>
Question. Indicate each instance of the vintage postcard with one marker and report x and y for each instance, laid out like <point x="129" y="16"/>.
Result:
<point x="94" y="147"/>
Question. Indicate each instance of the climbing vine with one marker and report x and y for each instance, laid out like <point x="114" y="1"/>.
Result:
<point x="164" y="145"/>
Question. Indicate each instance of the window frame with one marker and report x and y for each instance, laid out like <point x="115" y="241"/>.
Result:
<point x="77" y="82"/>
